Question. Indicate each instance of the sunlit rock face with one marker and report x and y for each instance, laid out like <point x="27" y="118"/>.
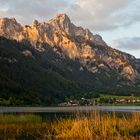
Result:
<point x="74" y="42"/>
<point x="11" y="29"/>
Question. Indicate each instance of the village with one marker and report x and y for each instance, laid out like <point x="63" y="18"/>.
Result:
<point x="103" y="100"/>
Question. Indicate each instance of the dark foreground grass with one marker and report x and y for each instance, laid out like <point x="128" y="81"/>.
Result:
<point x="93" y="127"/>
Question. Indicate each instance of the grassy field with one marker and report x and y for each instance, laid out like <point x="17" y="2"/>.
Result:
<point x="115" y="100"/>
<point x="119" y="97"/>
<point x="92" y="127"/>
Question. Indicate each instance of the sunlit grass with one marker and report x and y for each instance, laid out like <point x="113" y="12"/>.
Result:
<point x="95" y="126"/>
<point x="106" y="127"/>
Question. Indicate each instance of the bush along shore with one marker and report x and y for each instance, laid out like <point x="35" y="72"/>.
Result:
<point x="94" y="126"/>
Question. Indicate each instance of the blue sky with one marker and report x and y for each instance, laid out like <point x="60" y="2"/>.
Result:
<point x="117" y="21"/>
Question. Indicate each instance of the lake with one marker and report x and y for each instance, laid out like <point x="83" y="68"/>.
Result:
<point x="69" y="109"/>
<point x="52" y="113"/>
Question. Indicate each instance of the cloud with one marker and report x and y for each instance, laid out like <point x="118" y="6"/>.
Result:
<point x="97" y="15"/>
<point x="27" y="10"/>
<point x="102" y="15"/>
<point x="128" y="43"/>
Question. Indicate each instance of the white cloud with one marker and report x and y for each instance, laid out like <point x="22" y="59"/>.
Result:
<point x="103" y="15"/>
<point x="128" y="43"/>
<point x="27" y="10"/>
<point x="97" y="15"/>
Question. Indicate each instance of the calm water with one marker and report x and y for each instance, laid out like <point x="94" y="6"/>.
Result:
<point x="69" y="109"/>
<point x="52" y="113"/>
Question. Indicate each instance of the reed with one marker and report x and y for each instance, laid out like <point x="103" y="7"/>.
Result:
<point x="95" y="126"/>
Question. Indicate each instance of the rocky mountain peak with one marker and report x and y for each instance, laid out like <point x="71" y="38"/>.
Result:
<point x="61" y="23"/>
<point x="6" y="20"/>
<point x="74" y="42"/>
<point x="62" y="17"/>
<point x="97" y="39"/>
<point x="10" y="28"/>
<point x="35" y="23"/>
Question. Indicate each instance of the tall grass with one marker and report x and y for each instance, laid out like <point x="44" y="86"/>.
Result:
<point x="19" y="118"/>
<point x="95" y="126"/>
<point x="99" y="127"/>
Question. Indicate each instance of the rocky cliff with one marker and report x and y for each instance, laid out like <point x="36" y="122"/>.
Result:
<point x="75" y="43"/>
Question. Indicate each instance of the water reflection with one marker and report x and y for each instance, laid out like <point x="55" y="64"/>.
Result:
<point x="54" y="113"/>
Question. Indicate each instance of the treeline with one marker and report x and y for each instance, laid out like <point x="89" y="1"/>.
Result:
<point x="30" y="77"/>
<point x="24" y="81"/>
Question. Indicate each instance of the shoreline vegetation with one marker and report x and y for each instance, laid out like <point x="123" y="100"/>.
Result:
<point x="103" y="100"/>
<point x="92" y="126"/>
<point x="98" y="100"/>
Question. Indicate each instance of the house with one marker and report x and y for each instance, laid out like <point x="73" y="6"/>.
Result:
<point x="73" y="103"/>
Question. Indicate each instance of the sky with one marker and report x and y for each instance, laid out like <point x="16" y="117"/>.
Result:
<point x="117" y="21"/>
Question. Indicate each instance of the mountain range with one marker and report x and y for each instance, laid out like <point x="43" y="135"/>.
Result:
<point x="47" y="62"/>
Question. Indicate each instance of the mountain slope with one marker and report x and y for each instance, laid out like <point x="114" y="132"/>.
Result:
<point x="24" y="80"/>
<point x="72" y="56"/>
<point x="74" y="42"/>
